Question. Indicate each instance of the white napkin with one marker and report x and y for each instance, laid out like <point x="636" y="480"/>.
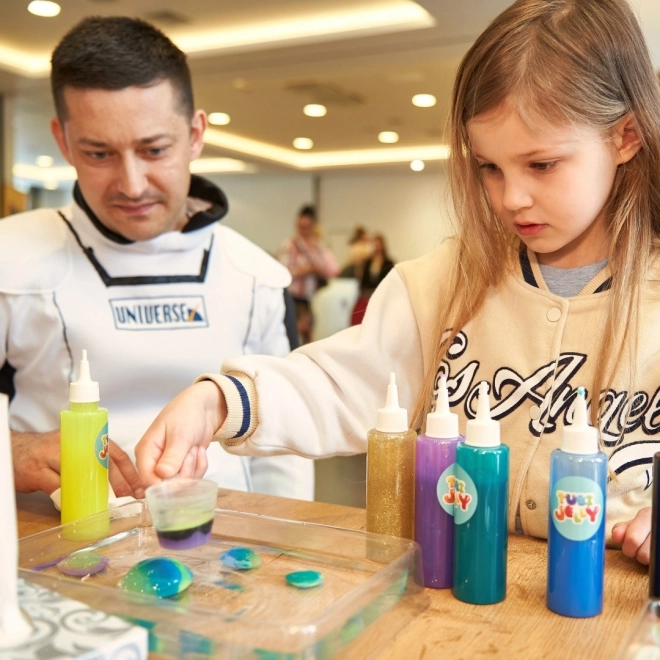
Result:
<point x="113" y="500"/>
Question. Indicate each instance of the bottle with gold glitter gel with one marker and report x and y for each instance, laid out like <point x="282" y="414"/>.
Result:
<point x="391" y="470"/>
<point x="480" y="519"/>
<point x="84" y="456"/>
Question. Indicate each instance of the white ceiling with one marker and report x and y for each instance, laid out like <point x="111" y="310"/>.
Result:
<point x="261" y="61"/>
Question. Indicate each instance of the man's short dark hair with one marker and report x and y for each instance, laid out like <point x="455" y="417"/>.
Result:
<point x="115" y="52"/>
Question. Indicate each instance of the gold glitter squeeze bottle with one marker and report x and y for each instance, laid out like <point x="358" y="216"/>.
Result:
<point x="391" y="470"/>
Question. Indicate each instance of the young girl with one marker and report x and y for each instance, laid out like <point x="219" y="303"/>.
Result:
<point x="550" y="283"/>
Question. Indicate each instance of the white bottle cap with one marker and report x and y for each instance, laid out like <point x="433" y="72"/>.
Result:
<point x="580" y="437"/>
<point x="391" y="418"/>
<point x="442" y="423"/>
<point x="482" y="431"/>
<point x="84" y="390"/>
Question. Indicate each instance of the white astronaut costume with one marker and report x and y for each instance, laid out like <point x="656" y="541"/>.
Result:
<point x="152" y="315"/>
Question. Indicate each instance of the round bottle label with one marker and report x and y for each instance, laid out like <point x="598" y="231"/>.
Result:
<point x="446" y="489"/>
<point x="576" y="507"/>
<point x="101" y="447"/>
<point x="465" y="496"/>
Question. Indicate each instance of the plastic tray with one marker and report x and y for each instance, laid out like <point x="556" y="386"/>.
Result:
<point x="643" y="640"/>
<point x="371" y="589"/>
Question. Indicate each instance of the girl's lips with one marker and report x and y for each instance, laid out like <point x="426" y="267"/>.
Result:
<point x="530" y="230"/>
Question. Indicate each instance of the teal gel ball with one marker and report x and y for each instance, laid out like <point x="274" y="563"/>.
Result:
<point x="158" y="576"/>
<point x="243" y="559"/>
<point x="304" y="579"/>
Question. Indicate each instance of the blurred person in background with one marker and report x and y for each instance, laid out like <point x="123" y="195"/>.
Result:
<point x="311" y="264"/>
<point x="375" y="268"/>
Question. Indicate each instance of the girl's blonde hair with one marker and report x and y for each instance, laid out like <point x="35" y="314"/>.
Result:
<point x="569" y="62"/>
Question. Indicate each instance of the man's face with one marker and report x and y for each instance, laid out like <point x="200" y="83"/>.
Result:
<point x="132" y="150"/>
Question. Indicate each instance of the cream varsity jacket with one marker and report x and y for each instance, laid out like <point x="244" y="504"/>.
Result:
<point x="533" y="348"/>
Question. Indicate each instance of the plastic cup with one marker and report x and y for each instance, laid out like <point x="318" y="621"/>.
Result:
<point x="182" y="511"/>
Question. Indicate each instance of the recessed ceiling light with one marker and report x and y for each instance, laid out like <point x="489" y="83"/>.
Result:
<point x="51" y="185"/>
<point x="315" y="110"/>
<point x="424" y="100"/>
<point x="44" y="8"/>
<point x="417" y="165"/>
<point x="219" y="118"/>
<point x="388" y="137"/>
<point x="44" y="161"/>
<point x="303" y="143"/>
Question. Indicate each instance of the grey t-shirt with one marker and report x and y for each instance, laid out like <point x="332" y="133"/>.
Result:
<point x="567" y="282"/>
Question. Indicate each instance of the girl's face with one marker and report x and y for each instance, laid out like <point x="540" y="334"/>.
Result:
<point x="548" y="185"/>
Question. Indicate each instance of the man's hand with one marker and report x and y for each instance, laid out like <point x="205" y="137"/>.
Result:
<point x="635" y="536"/>
<point x="124" y="478"/>
<point x="176" y="442"/>
<point x="36" y="458"/>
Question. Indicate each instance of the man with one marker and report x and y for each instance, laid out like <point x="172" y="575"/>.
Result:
<point x="138" y="271"/>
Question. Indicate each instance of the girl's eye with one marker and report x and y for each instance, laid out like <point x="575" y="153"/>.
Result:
<point x="489" y="168"/>
<point x="543" y="167"/>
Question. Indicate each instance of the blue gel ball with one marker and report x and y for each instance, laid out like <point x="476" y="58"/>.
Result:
<point x="304" y="579"/>
<point x="158" y="576"/>
<point x="241" y="558"/>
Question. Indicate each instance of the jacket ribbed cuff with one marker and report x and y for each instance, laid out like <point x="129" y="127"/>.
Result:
<point x="241" y="398"/>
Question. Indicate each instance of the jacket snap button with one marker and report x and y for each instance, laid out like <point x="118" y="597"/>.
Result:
<point x="531" y="505"/>
<point x="554" y="314"/>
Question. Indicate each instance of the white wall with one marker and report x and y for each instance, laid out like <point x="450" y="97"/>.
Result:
<point x="264" y="207"/>
<point x="409" y="209"/>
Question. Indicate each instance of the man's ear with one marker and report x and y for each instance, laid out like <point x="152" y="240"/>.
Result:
<point x="197" y="128"/>
<point x="626" y="138"/>
<point x="57" y="129"/>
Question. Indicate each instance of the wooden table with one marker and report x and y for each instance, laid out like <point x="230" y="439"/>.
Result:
<point x="519" y="627"/>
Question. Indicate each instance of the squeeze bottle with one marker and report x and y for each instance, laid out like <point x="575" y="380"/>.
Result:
<point x="391" y="470"/>
<point x="576" y="529"/>
<point x="84" y="454"/>
<point x="480" y="517"/>
<point x="435" y="492"/>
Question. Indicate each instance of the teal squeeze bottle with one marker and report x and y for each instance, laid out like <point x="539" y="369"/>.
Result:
<point x="480" y="514"/>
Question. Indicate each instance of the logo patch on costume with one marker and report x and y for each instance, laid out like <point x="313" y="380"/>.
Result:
<point x="165" y="313"/>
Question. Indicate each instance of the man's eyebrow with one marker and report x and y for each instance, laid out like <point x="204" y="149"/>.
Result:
<point x="88" y="142"/>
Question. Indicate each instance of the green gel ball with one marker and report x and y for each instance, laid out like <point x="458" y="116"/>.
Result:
<point x="159" y="576"/>
<point x="304" y="579"/>
<point x="83" y="563"/>
<point x="241" y="558"/>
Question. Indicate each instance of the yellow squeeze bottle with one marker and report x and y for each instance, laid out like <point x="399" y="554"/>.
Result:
<point x="84" y="457"/>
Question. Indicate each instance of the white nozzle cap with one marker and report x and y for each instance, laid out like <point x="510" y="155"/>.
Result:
<point x="580" y="437"/>
<point x="442" y="423"/>
<point x="84" y="390"/>
<point x="482" y="431"/>
<point x="391" y="418"/>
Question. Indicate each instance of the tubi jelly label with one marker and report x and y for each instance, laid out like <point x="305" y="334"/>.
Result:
<point x="446" y="489"/>
<point x="463" y="494"/>
<point x="101" y="447"/>
<point x="576" y="507"/>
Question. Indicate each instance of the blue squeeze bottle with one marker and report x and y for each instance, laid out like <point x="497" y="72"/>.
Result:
<point x="576" y="529"/>
<point x="480" y="517"/>
<point x="435" y="493"/>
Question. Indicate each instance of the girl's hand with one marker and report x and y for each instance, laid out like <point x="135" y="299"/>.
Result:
<point x="176" y="442"/>
<point x="635" y="536"/>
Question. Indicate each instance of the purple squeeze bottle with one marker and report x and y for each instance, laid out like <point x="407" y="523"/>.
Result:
<point x="434" y="492"/>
